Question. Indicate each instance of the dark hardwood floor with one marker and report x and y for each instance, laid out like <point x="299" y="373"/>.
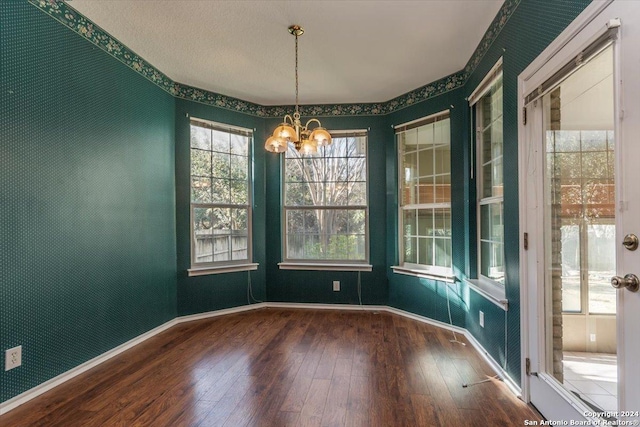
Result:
<point x="285" y="367"/>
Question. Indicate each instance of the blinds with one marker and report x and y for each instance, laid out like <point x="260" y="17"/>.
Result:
<point x="486" y="83"/>
<point x="421" y="122"/>
<point x="572" y="66"/>
<point x="221" y="127"/>
<point x="347" y="133"/>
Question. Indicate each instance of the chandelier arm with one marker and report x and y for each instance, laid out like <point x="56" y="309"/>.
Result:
<point x="312" y="120"/>
<point x="288" y="116"/>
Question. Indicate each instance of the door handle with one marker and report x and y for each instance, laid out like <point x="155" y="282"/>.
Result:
<point x="630" y="281"/>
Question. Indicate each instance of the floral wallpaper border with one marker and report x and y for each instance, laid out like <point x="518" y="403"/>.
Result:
<point x="69" y="17"/>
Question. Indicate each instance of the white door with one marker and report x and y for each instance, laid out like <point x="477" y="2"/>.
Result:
<point x="579" y="166"/>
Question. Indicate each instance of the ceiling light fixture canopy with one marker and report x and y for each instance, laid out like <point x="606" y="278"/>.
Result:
<point x="304" y="139"/>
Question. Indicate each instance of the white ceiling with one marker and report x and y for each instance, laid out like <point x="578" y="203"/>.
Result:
<point x="351" y="52"/>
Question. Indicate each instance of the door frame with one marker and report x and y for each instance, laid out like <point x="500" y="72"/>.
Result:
<point x="572" y="40"/>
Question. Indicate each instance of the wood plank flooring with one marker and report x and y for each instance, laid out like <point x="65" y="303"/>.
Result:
<point x="285" y="367"/>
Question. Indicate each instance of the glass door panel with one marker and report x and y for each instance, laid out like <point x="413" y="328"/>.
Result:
<point x="579" y="233"/>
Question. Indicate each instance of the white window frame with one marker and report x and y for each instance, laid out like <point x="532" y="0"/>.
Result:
<point x="214" y="267"/>
<point x="327" y="264"/>
<point x="426" y="270"/>
<point x="487" y="286"/>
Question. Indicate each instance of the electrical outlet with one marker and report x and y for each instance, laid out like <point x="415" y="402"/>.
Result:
<point x="13" y="358"/>
<point x="336" y="285"/>
<point x="592" y="337"/>
<point x="482" y="319"/>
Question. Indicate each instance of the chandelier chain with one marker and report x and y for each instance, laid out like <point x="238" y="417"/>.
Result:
<point x="296" y="72"/>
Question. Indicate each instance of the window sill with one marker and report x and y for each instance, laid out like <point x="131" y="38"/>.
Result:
<point x="424" y="274"/>
<point x="489" y="290"/>
<point x="324" y="267"/>
<point x="204" y="271"/>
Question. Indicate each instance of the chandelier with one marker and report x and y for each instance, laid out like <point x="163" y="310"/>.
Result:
<point x="304" y="139"/>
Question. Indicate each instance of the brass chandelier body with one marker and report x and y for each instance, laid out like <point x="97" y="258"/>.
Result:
<point x="291" y="130"/>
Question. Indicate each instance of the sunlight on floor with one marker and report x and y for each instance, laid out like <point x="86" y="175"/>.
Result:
<point x="594" y="376"/>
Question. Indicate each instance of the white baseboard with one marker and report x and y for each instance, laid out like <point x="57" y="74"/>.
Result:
<point x="66" y="376"/>
<point x="343" y="307"/>
<point x="513" y="386"/>
<point x="225" y="311"/>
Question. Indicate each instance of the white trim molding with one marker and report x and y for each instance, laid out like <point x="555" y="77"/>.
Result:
<point x="423" y="274"/>
<point x="204" y="271"/>
<point x="490" y="291"/>
<point x="323" y="267"/>
<point x="18" y="400"/>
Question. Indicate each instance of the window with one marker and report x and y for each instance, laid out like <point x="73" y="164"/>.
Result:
<point x="424" y="155"/>
<point x="325" y="202"/>
<point x="488" y="110"/>
<point x="220" y="195"/>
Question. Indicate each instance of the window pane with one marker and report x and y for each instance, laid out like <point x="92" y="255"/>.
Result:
<point x="357" y="193"/>
<point x="239" y="192"/>
<point x="409" y="140"/>
<point x="294" y="171"/>
<point x="410" y="166"/>
<point x="239" y="167"/>
<point x="602" y="262"/>
<point x="202" y="235"/>
<point x="425" y="162"/>
<point x="200" y="138"/>
<point x="425" y="251"/>
<point x="200" y="189"/>
<point x="567" y="140"/>
<point x="357" y="221"/>
<point x="357" y="169"/>
<point x="356" y="146"/>
<point x="200" y="162"/>
<point x="220" y="165"/>
<point x="491" y="241"/>
<point x="425" y="136"/>
<point x="239" y="234"/>
<point x="239" y="145"/>
<point x="442" y="222"/>
<point x="409" y="223"/>
<point x="441" y="132"/>
<point x="411" y="250"/>
<point x="297" y="195"/>
<point x="221" y="226"/>
<point x="426" y="190"/>
<point x="595" y="165"/>
<point x="496" y="177"/>
<point x="220" y="191"/>
<point x="358" y="250"/>
<point x="441" y="253"/>
<point x="443" y="159"/>
<point x="571" y="295"/>
<point x="443" y="189"/>
<point x="220" y="141"/>
<point x="425" y="222"/>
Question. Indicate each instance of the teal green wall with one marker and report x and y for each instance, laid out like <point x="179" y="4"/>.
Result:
<point x="87" y="229"/>
<point x="316" y="286"/>
<point x="217" y="291"/>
